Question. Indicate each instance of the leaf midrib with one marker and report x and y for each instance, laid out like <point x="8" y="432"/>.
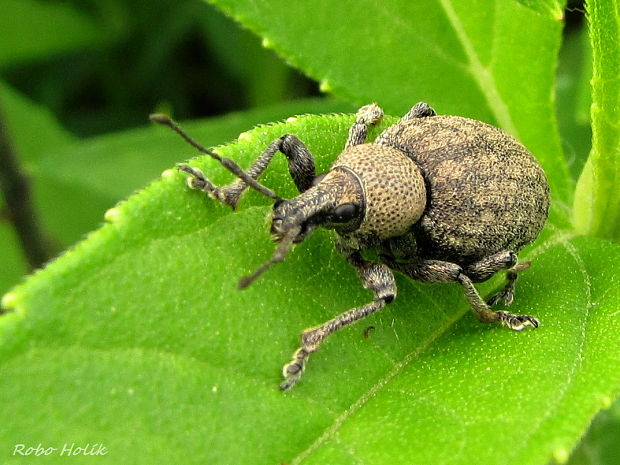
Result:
<point x="481" y="74"/>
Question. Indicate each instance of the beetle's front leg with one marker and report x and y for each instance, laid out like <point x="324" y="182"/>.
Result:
<point x="300" y="163"/>
<point x="375" y="277"/>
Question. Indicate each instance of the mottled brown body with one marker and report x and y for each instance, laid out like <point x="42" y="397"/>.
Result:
<point x="442" y="199"/>
<point x="485" y="191"/>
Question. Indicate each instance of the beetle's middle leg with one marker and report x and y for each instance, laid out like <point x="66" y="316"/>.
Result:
<point x="366" y="116"/>
<point x="375" y="277"/>
<point x="437" y="271"/>
<point x="300" y="164"/>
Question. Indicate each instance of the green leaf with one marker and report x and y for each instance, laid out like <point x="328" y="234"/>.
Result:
<point x="487" y="59"/>
<point x="597" y="198"/>
<point x="600" y="445"/>
<point x="33" y="30"/>
<point x="138" y="339"/>
<point x="32" y="130"/>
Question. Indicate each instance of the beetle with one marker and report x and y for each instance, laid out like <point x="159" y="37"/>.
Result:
<point x="441" y="199"/>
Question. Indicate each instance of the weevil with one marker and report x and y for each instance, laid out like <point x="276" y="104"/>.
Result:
<point x="441" y="199"/>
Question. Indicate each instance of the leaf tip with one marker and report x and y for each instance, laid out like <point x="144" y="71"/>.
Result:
<point x="561" y="455"/>
<point x="8" y="302"/>
<point x="113" y="215"/>
<point x="168" y="174"/>
<point x="325" y="86"/>
<point x="606" y="401"/>
<point x="267" y="43"/>
<point x="244" y="136"/>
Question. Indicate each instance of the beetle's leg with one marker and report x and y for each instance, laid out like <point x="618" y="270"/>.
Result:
<point x="485" y="268"/>
<point x="300" y="163"/>
<point x="366" y="116"/>
<point x="507" y="294"/>
<point x="375" y="277"/>
<point x="436" y="271"/>
<point x="419" y="110"/>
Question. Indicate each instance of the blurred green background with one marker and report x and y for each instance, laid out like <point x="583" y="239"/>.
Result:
<point x="73" y="72"/>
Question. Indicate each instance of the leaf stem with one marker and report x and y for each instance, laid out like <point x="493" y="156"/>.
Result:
<point x="15" y="188"/>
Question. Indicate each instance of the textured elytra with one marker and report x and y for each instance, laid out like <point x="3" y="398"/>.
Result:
<point x="394" y="192"/>
<point x="486" y="192"/>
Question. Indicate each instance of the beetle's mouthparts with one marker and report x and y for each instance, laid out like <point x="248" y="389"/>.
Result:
<point x="285" y="243"/>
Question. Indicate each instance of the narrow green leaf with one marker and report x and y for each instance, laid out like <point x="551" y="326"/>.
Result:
<point x="493" y="60"/>
<point x="597" y="200"/>
<point x="138" y="339"/>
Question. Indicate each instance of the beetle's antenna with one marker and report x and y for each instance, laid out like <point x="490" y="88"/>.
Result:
<point x="230" y="165"/>
<point x="279" y="255"/>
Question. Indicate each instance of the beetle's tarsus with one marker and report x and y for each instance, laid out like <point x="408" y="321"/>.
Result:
<point x="516" y="322"/>
<point x="197" y="180"/>
<point x="366" y="116"/>
<point x="506" y="295"/>
<point x="375" y="277"/>
<point x="292" y="371"/>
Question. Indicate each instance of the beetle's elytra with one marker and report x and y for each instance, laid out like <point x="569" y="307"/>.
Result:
<point x="440" y="199"/>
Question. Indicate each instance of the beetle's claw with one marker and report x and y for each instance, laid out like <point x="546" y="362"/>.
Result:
<point x="197" y="180"/>
<point x="517" y="322"/>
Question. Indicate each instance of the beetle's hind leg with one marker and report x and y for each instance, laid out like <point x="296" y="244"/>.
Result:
<point x="436" y="271"/>
<point x="419" y="110"/>
<point x="508" y="292"/>
<point x="487" y="267"/>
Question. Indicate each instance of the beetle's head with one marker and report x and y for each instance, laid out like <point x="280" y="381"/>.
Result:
<point x="336" y="201"/>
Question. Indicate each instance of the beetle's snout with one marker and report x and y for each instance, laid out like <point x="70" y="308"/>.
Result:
<point x="290" y="218"/>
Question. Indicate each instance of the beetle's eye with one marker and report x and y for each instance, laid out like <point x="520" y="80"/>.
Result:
<point x="345" y="213"/>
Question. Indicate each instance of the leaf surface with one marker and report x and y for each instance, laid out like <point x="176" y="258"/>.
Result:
<point x="138" y="339"/>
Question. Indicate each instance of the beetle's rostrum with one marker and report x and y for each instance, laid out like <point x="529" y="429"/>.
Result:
<point x="439" y="198"/>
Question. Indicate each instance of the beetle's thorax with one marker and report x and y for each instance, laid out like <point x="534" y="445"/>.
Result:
<point x="393" y="190"/>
